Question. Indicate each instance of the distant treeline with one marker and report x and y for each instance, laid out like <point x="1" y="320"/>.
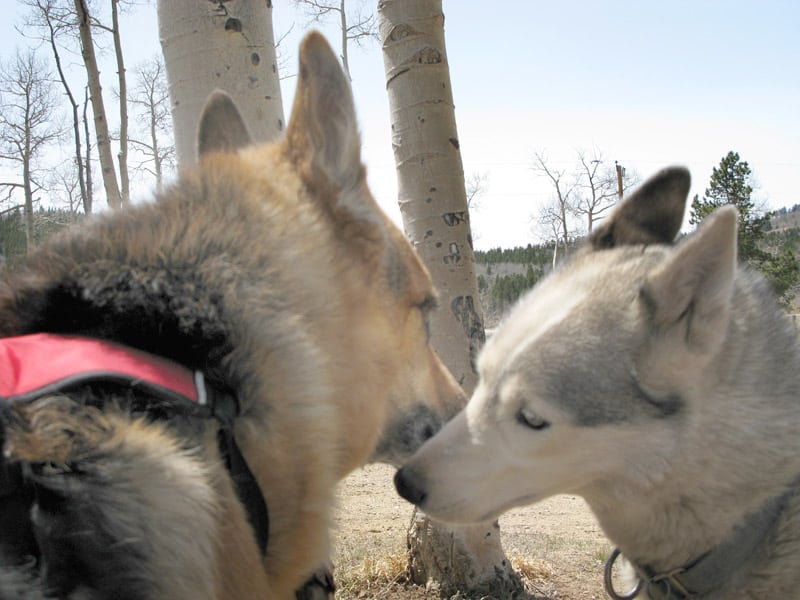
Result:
<point x="785" y="211"/>
<point x="506" y="289"/>
<point x="499" y="291"/>
<point x="530" y="254"/>
<point x="13" y="244"/>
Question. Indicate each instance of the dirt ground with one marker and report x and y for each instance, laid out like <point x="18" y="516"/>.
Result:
<point x="556" y="544"/>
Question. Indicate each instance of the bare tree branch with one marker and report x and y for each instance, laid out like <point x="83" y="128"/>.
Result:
<point x="28" y="122"/>
<point x="356" y="28"/>
<point x="597" y="188"/>
<point x="476" y="185"/>
<point x="150" y="101"/>
<point x="556" y="215"/>
<point x="57" y="21"/>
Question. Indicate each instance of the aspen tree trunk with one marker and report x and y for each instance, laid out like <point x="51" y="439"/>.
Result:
<point x="216" y="45"/>
<point x="343" y="26"/>
<point x="89" y="202"/>
<point x="157" y="159"/>
<point x="123" y="105"/>
<point x="98" y="107"/>
<point x="433" y="205"/>
<point x="30" y="240"/>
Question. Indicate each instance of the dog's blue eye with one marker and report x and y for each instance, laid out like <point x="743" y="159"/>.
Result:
<point x="530" y="419"/>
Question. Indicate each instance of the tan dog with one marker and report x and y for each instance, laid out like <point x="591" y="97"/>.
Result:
<point x="269" y="268"/>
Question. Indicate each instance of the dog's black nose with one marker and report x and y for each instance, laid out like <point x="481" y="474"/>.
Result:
<point x="410" y="485"/>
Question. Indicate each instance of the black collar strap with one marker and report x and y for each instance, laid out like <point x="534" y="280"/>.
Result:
<point x="32" y="366"/>
<point x="711" y="571"/>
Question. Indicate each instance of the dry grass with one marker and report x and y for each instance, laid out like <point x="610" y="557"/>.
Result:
<point x="384" y="577"/>
<point x="371" y="577"/>
<point x="556" y="546"/>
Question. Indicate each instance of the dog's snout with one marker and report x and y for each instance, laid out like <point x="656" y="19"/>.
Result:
<point x="410" y="485"/>
<point x="428" y="432"/>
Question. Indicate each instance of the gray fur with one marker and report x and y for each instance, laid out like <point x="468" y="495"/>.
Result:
<point x="660" y="382"/>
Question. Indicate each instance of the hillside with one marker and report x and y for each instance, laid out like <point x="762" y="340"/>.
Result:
<point x="505" y="274"/>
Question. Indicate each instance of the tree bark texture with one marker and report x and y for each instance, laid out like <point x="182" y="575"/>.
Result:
<point x="220" y="45"/>
<point x="30" y="240"/>
<point x="88" y="204"/>
<point x="124" y="180"/>
<point x="430" y="175"/>
<point x="433" y="205"/>
<point x="98" y="107"/>
<point x="467" y="558"/>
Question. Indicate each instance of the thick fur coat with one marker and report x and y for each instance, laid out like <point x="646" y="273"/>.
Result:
<point x="271" y="269"/>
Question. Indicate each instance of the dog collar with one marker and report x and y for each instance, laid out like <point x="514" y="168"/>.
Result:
<point x="709" y="572"/>
<point x="32" y="366"/>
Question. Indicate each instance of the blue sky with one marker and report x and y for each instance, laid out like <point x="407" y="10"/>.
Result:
<point x="646" y="83"/>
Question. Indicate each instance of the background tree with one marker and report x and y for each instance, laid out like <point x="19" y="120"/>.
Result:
<point x="556" y="214"/>
<point x="476" y="186"/>
<point x="597" y="187"/>
<point x="150" y="102"/>
<point x="55" y="21"/>
<point x="583" y="194"/>
<point x="551" y="225"/>
<point x="107" y="170"/>
<point x="63" y="188"/>
<point x="226" y="45"/>
<point x="122" y="156"/>
<point x="87" y="163"/>
<point x="358" y="26"/>
<point x="730" y="183"/>
<point x="27" y="123"/>
<point x="432" y="198"/>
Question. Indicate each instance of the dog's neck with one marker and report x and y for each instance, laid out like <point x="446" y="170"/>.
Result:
<point x="683" y="516"/>
<point x="719" y="568"/>
<point x="736" y="447"/>
<point x="699" y="506"/>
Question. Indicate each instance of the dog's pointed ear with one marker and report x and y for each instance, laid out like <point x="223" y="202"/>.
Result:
<point x="221" y="127"/>
<point x="323" y="128"/>
<point x="696" y="281"/>
<point x="652" y="214"/>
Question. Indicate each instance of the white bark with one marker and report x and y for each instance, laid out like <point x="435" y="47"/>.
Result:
<point x="124" y="179"/>
<point x="430" y="175"/>
<point x="433" y="205"/>
<point x="216" y="45"/>
<point x="110" y="183"/>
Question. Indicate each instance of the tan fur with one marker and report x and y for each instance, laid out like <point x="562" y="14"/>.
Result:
<point x="322" y="301"/>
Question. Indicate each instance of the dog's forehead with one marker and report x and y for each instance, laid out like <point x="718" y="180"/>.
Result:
<point x="554" y="300"/>
<point x="571" y="336"/>
<point x="536" y="314"/>
<point x="586" y="289"/>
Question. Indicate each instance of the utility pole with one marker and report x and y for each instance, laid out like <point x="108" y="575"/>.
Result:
<point x="620" y="172"/>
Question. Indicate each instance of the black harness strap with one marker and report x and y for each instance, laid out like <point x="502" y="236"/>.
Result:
<point x="225" y="408"/>
<point x="167" y="400"/>
<point x="244" y="482"/>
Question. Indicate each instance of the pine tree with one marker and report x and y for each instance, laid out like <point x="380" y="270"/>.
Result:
<point x="730" y="184"/>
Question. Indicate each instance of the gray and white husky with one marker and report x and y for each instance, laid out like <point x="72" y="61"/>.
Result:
<point x="659" y="381"/>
